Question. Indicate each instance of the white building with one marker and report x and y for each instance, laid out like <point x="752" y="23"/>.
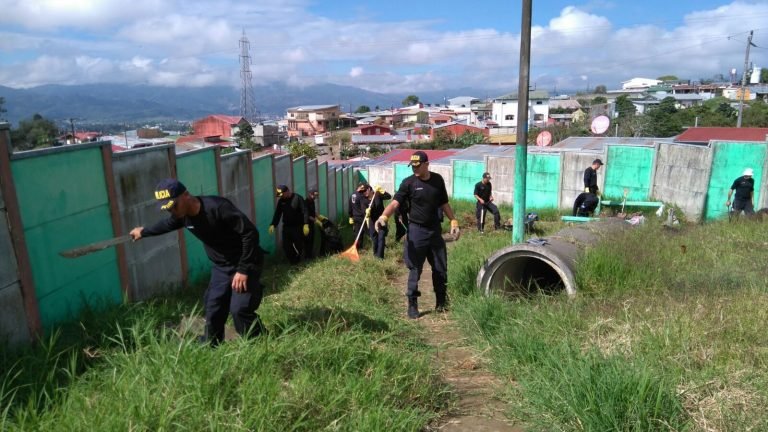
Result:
<point x="504" y="110"/>
<point x="639" y="83"/>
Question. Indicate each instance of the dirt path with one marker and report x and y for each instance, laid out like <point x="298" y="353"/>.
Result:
<point x="477" y="408"/>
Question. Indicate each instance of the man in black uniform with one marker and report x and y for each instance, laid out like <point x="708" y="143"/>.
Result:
<point x="484" y="197"/>
<point x="745" y="192"/>
<point x="378" y="237"/>
<point x="231" y="242"/>
<point x="426" y="193"/>
<point x="585" y="204"/>
<point x="312" y="217"/>
<point x="290" y="207"/>
<point x="590" y="177"/>
<point x="358" y="209"/>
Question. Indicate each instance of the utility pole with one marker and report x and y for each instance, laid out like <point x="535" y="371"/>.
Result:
<point x="521" y="152"/>
<point x="744" y="78"/>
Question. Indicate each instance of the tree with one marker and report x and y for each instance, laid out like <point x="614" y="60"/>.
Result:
<point x="410" y="100"/>
<point x="362" y="109"/>
<point x="663" y="122"/>
<point x="599" y="100"/>
<point x="763" y="77"/>
<point x="34" y="132"/>
<point x="601" y="89"/>
<point x="340" y="141"/>
<point x="624" y="107"/>
<point x="2" y="108"/>
<point x="299" y="149"/>
<point x="668" y="78"/>
<point x="244" y="136"/>
<point x="756" y="114"/>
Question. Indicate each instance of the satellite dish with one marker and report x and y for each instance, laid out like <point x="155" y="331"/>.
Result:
<point x="544" y="139"/>
<point x="600" y="124"/>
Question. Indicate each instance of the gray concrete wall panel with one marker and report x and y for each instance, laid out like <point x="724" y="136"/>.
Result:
<point x="446" y="171"/>
<point x="154" y="264"/>
<point x="13" y="320"/>
<point x="283" y="168"/>
<point x="682" y="177"/>
<point x="383" y="176"/>
<point x="502" y="171"/>
<point x="572" y="176"/>
<point x="312" y="175"/>
<point x="235" y="180"/>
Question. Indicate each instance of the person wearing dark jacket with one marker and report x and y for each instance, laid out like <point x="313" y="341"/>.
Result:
<point x="231" y="242"/>
<point x="290" y="208"/>
<point x="484" y="203"/>
<point x="743" y="200"/>
<point x="312" y="217"/>
<point x="358" y="208"/>
<point x="590" y="177"/>
<point x="425" y="193"/>
<point x="585" y="204"/>
<point x="378" y="238"/>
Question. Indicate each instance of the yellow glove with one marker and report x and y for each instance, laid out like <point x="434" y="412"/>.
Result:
<point x="351" y="221"/>
<point x="368" y="212"/>
<point x="306" y="230"/>
<point x="381" y="222"/>
<point x="379" y="190"/>
<point x="586" y="190"/>
<point x="271" y="229"/>
<point x="455" y="231"/>
<point x="319" y="220"/>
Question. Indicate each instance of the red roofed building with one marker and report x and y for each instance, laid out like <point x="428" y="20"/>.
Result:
<point x="374" y="129"/>
<point x="224" y="126"/>
<point x="456" y="129"/>
<point x="703" y="135"/>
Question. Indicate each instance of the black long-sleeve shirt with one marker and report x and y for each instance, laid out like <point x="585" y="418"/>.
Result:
<point x="377" y="208"/>
<point x="309" y="207"/>
<point x="292" y="210"/>
<point x="358" y="203"/>
<point x="590" y="179"/>
<point x="229" y="237"/>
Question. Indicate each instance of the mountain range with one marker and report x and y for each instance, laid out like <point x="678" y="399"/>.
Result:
<point x="117" y="103"/>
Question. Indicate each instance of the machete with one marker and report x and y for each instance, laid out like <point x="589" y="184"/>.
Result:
<point x="93" y="247"/>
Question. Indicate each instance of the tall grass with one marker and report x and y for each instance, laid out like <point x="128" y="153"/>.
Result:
<point x="660" y="336"/>
<point x="336" y="357"/>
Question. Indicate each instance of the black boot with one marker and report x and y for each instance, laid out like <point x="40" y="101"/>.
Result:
<point x="441" y="303"/>
<point x="413" y="307"/>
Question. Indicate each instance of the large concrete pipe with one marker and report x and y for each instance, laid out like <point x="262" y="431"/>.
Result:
<point x="546" y="264"/>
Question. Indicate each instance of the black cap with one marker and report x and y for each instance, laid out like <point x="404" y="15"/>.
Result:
<point x="362" y="186"/>
<point x="167" y="191"/>
<point x="417" y="158"/>
<point x="597" y="161"/>
<point x="313" y="190"/>
<point x="280" y="190"/>
<point x="487" y="175"/>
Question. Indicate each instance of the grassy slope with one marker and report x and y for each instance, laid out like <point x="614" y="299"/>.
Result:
<point x="661" y="336"/>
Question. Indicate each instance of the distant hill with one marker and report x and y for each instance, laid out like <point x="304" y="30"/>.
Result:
<point x="114" y="103"/>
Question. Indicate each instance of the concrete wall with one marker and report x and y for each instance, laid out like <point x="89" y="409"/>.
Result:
<point x="13" y="319"/>
<point x="312" y="177"/>
<point x="333" y="214"/>
<point x="502" y="169"/>
<point x="236" y="181"/>
<point x="446" y="171"/>
<point x="154" y="264"/>
<point x="283" y="168"/>
<point x="572" y="177"/>
<point x="382" y="175"/>
<point x="682" y="177"/>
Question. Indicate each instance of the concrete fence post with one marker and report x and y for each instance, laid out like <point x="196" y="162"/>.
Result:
<point x="117" y="227"/>
<point x="182" y="240"/>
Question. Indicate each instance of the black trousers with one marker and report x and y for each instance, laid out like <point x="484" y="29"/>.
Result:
<point x="378" y="239"/>
<point x="743" y="205"/>
<point x="293" y="243"/>
<point x="220" y="300"/>
<point x="356" y="229"/>
<point x="489" y="207"/>
<point x="425" y="243"/>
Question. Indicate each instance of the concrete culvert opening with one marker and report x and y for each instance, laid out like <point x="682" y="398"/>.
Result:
<point x="527" y="275"/>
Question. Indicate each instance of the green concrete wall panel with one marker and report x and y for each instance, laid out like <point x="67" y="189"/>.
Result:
<point x="362" y="175"/>
<point x="322" y="188"/>
<point x="728" y="162"/>
<point x="340" y="215"/>
<point x="402" y="171"/>
<point x="67" y="207"/>
<point x="300" y="177"/>
<point x="542" y="181"/>
<point x="264" y="196"/>
<point x="198" y="173"/>
<point x="629" y="168"/>
<point x="465" y="175"/>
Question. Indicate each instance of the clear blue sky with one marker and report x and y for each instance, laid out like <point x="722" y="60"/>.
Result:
<point x="383" y="46"/>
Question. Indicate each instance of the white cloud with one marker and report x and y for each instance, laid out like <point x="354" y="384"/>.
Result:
<point x="175" y="42"/>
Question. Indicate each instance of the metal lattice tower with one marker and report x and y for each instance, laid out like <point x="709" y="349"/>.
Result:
<point x="247" y="101"/>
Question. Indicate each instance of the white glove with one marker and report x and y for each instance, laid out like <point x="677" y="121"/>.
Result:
<point x="381" y="222"/>
<point x="455" y="231"/>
